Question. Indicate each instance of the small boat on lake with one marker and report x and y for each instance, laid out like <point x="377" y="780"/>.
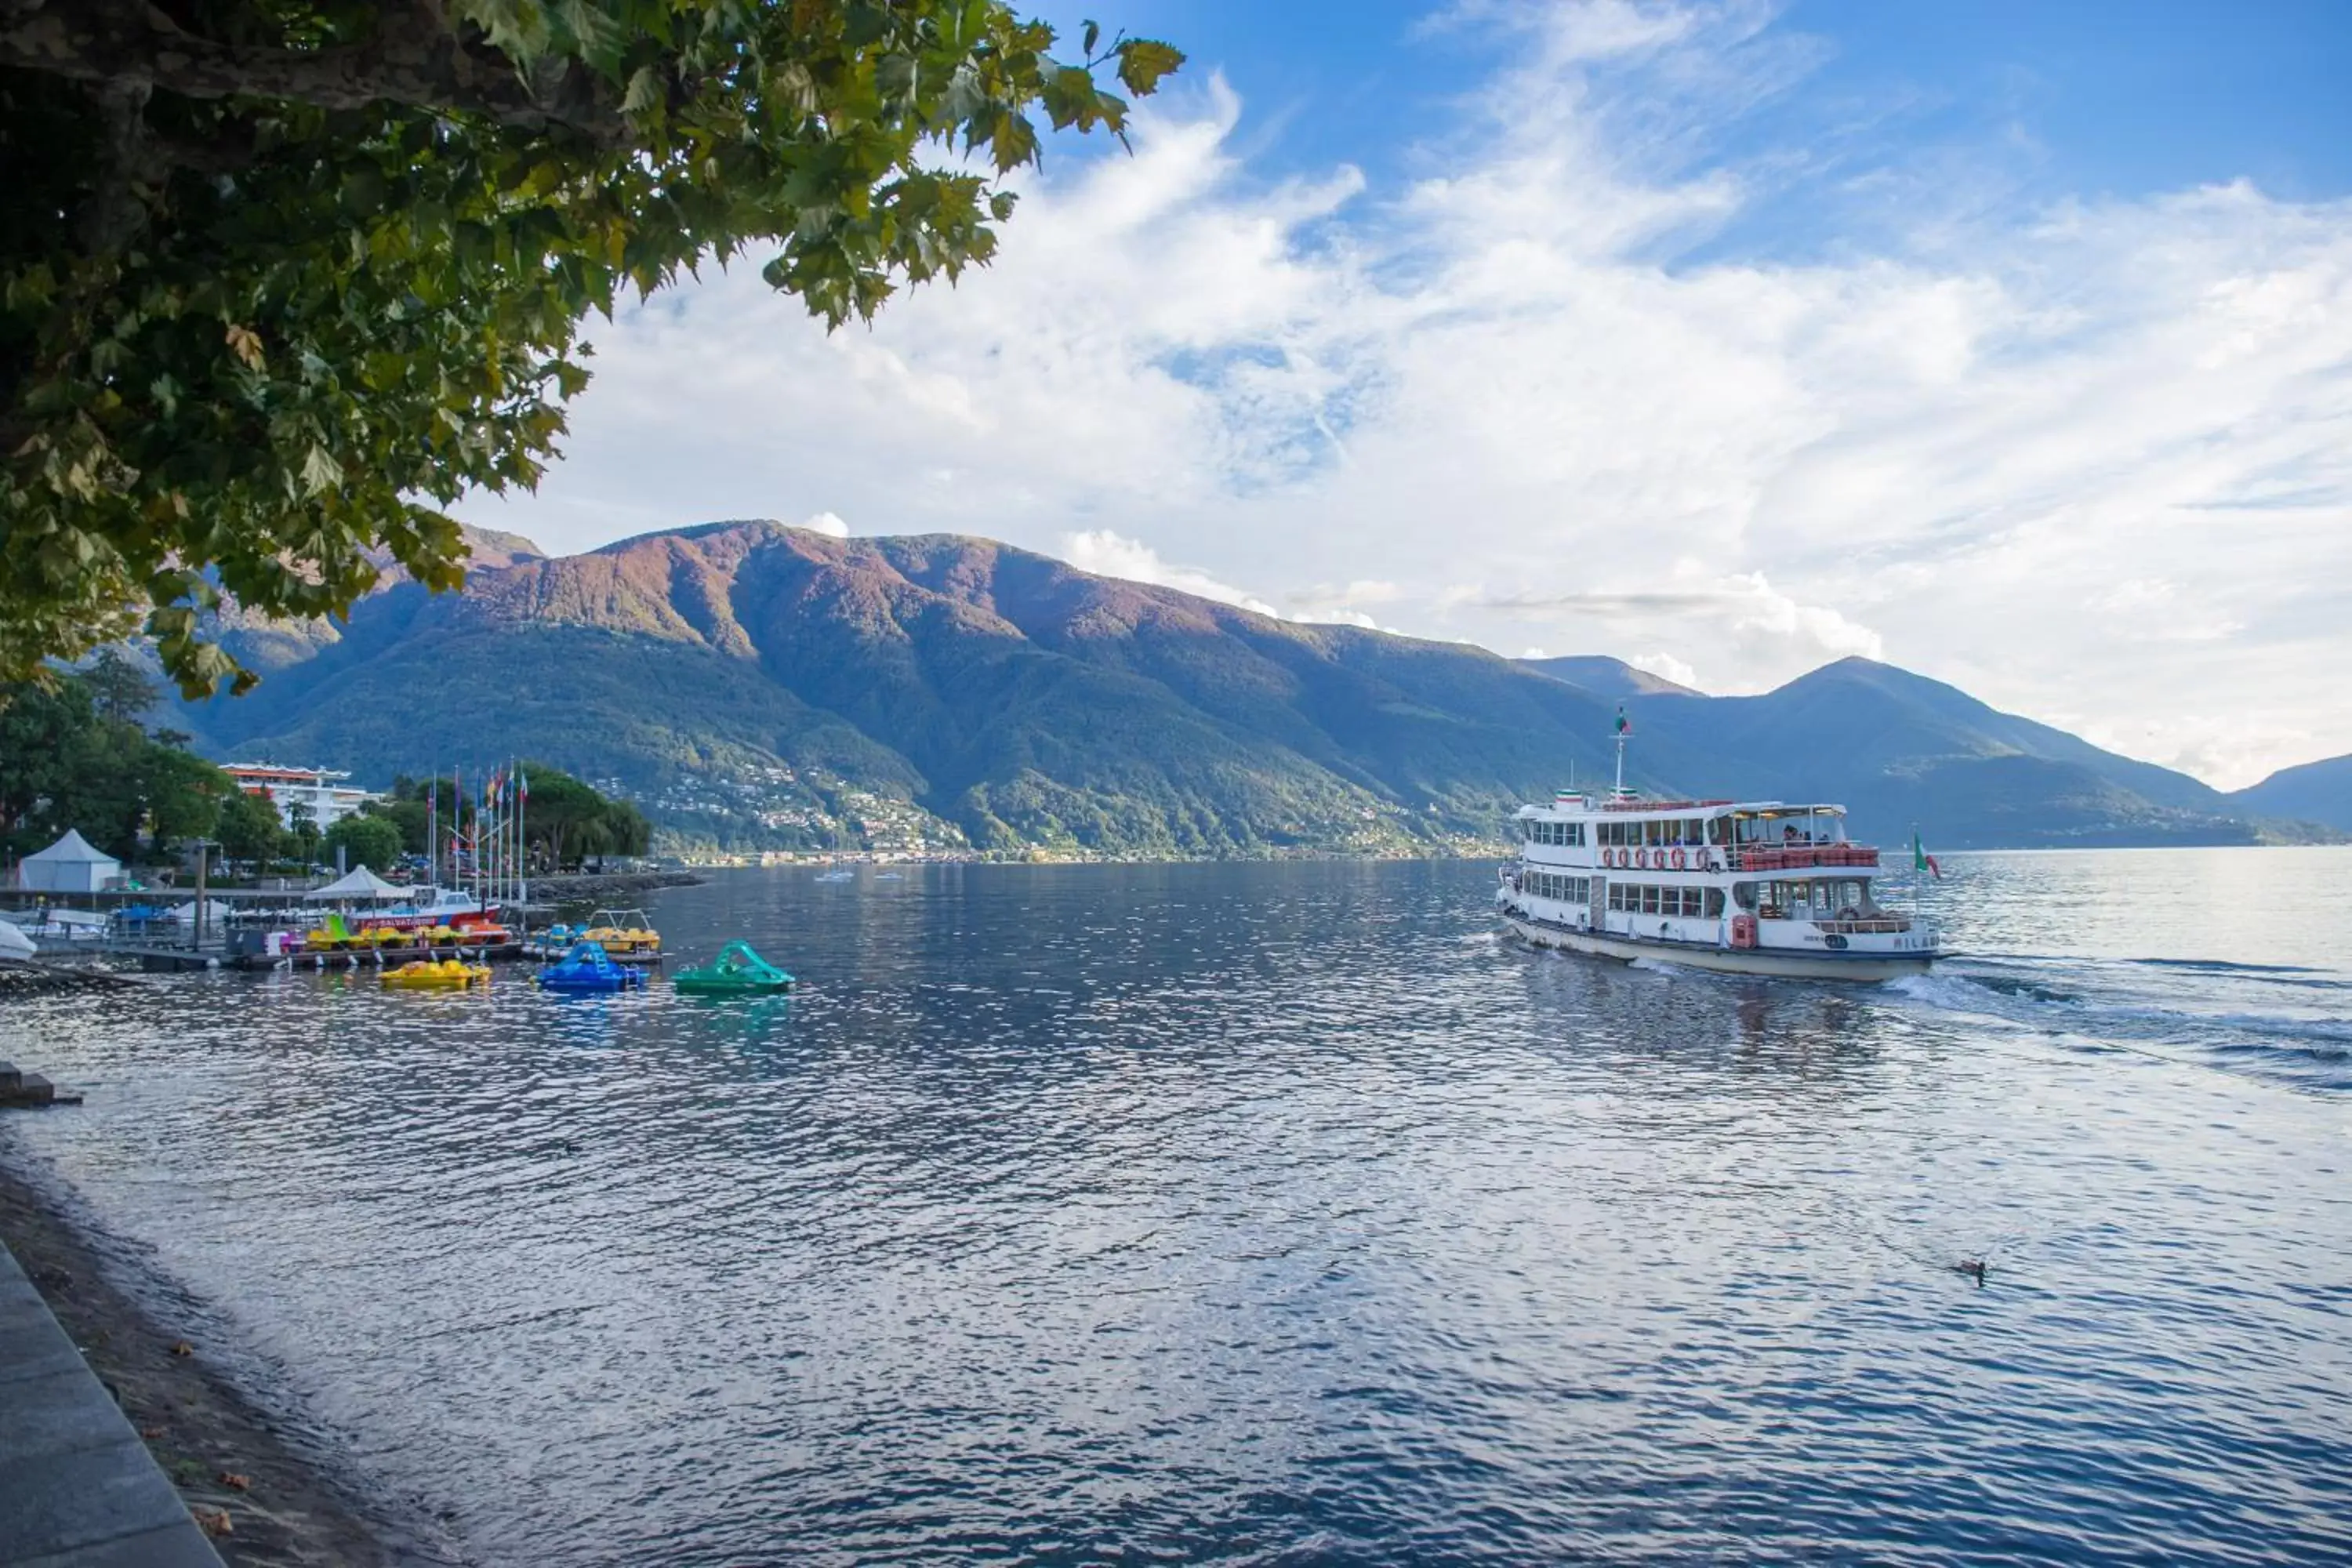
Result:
<point x="736" y="972"/>
<point x="622" y="932"/>
<point x="587" y="967"/>
<point x="437" y="974"/>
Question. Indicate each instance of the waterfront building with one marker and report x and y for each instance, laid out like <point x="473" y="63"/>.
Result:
<point x="329" y="798"/>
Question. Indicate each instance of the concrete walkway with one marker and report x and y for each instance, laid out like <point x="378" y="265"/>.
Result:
<point x="77" y="1488"/>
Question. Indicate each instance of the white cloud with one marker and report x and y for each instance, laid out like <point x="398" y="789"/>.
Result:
<point x="1959" y="448"/>
<point x="1667" y="667"/>
<point x="827" y="523"/>
<point x="1109" y="555"/>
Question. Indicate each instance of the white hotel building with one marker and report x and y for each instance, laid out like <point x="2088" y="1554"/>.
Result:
<point x="329" y="798"/>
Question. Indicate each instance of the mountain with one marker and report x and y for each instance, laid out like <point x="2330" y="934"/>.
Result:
<point x="751" y="683"/>
<point x="2314" y="792"/>
<point x="750" y="680"/>
<point x="1900" y="749"/>
<point x="1606" y="677"/>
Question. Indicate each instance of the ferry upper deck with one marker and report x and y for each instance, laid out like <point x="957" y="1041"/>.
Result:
<point x="1694" y="836"/>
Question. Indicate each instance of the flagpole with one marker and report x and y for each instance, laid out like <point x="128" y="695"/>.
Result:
<point x="1918" y="871"/>
<point x="1619" y="792"/>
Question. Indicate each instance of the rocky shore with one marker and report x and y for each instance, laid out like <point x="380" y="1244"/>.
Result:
<point x="260" y="1496"/>
<point x="590" y="887"/>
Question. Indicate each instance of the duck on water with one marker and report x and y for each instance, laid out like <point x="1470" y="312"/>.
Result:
<point x="1761" y="887"/>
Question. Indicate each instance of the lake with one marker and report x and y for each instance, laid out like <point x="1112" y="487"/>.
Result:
<point x="1283" y="1214"/>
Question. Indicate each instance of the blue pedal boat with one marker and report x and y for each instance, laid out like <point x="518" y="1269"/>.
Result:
<point x="588" y="967"/>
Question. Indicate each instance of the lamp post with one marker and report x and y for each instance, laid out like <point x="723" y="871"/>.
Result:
<point x="202" y="844"/>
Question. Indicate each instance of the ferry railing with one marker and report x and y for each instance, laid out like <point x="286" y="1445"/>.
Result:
<point x="1799" y="857"/>
<point x="1879" y="925"/>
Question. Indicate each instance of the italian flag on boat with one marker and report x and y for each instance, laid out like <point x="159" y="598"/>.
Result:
<point x="1922" y="861"/>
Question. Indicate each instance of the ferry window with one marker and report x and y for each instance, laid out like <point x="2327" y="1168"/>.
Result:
<point x="1576" y="833"/>
<point x="1744" y="895"/>
<point x="1714" y="903"/>
<point x="1649" y="901"/>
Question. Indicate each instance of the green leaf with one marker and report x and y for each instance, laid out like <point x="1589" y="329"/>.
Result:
<point x="320" y="473"/>
<point x="1143" y="61"/>
<point x="645" y="91"/>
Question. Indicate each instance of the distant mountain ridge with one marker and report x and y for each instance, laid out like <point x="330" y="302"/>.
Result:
<point x="2315" y="791"/>
<point x="753" y="683"/>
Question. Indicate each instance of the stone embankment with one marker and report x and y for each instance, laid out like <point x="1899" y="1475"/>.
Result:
<point x="80" y="1487"/>
<point x="603" y="888"/>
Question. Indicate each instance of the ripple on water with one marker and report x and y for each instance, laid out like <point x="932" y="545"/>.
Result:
<point x="1266" y="1214"/>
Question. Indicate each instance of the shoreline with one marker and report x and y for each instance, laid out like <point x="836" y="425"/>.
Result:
<point x="295" y="1508"/>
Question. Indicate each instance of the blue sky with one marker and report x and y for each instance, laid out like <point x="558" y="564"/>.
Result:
<point x="2084" y="98"/>
<point x="2009" y="342"/>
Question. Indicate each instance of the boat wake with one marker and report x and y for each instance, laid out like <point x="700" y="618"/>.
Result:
<point x="2311" y="1048"/>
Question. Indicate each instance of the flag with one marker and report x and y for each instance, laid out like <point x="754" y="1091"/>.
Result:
<point x="522" y="784"/>
<point x="1922" y="861"/>
<point x="1625" y="725"/>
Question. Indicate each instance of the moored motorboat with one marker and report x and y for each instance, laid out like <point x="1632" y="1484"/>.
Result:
<point x="738" y="971"/>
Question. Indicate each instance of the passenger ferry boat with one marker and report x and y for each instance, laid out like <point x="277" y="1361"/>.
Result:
<point x="1757" y="887"/>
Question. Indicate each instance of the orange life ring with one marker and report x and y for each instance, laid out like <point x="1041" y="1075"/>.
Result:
<point x="1678" y="860"/>
<point x="1641" y="858"/>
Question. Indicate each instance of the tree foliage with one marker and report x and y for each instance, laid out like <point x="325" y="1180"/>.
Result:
<point x="567" y="820"/>
<point x="280" y="278"/>
<point x="365" y="840"/>
<point x="70" y="759"/>
<point x="250" y="828"/>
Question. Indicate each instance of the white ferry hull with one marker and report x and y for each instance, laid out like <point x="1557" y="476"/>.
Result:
<point x="1867" y="967"/>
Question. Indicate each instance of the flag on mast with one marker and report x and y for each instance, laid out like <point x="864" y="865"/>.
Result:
<point x="1922" y="861"/>
<point x="1625" y="725"/>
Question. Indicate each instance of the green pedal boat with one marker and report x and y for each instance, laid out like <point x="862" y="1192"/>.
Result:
<point x="736" y="972"/>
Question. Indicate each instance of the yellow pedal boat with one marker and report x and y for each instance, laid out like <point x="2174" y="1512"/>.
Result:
<point x="622" y="930"/>
<point x="443" y="974"/>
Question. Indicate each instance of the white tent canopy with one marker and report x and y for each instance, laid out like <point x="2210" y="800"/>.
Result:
<point x="71" y="864"/>
<point x="215" y="913"/>
<point x="361" y="886"/>
<point x="15" y="943"/>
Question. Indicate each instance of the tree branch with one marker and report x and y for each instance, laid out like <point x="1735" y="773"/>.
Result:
<point x="415" y="58"/>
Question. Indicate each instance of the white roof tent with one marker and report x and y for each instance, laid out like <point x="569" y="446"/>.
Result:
<point x="71" y="864"/>
<point x="360" y="885"/>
